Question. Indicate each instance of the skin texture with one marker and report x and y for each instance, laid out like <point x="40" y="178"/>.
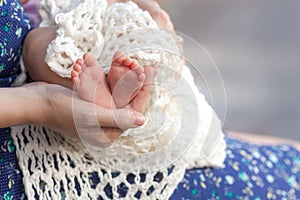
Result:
<point x="34" y="52"/>
<point x="51" y="106"/>
<point x="125" y="77"/>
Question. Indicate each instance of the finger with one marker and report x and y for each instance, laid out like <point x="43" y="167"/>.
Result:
<point x="147" y="5"/>
<point x="121" y="118"/>
<point x="160" y="16"/>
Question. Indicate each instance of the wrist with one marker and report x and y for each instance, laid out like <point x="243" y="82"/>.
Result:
<point x="19" y="106"/>
<point x="35" y="104"/>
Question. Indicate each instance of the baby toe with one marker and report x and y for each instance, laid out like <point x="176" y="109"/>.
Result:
<point x="138" y="69"/>
<point x="127" y="62"/>
<point x="119" y="57"/>
<point x="141" y="77"/>
<point x="77" y="68"/>
<point x="89" y="59"/>
<point x="75" y="77"/>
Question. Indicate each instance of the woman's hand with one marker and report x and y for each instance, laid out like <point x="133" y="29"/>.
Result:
<point x="94" y="124"/>
<point x="160" y="16"/>
<point x="56" y="107"/>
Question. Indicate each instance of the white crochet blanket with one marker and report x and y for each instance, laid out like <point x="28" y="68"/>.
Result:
<point x="54" y="166"/>
<point x="181" y="130"/>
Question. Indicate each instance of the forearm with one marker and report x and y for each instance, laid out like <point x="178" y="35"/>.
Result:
<point x="34" y="53"/>
<point x="18" y="106"/>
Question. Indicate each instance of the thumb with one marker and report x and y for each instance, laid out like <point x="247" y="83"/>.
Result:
<point x="124" y="118"/>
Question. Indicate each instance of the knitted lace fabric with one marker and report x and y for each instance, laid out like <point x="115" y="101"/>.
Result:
<point x="57" y="167"/>
<point x="178" y="119"/>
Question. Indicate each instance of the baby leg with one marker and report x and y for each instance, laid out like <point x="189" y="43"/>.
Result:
<point x="34" y="52"/>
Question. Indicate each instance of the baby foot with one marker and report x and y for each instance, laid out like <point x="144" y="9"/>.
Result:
<point x="90" y="81"/>
<point x="125" y="79"/>
<point x="141" y="99"/>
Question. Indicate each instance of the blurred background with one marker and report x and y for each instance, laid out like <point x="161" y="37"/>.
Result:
<point x="256" y="46"/>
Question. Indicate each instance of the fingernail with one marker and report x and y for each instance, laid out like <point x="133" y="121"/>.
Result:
<point x="138" y="118"/>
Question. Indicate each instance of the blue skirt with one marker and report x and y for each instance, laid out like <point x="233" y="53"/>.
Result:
<point x="14" y="26"/>
<point x="251" y="172"/>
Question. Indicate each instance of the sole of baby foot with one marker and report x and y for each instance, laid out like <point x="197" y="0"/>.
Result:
<point x="90" y="81"/>
<point x="140" y="101"/>
<point x="125" y="79"/>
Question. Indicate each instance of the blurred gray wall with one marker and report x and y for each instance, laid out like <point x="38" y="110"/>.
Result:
<point x="256" y="45"/>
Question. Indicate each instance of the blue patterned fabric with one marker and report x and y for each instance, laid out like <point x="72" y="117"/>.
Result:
<point x="251" y="172"/>
<point x="11" y="186"/>
<point x="13" y="28"/>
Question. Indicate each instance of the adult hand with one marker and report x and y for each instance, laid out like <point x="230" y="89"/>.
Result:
<point x="62" y="104"/>
<point x="53" y="106"/>
<point x="160" y="16"/>
<point x="162" y="19"/>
